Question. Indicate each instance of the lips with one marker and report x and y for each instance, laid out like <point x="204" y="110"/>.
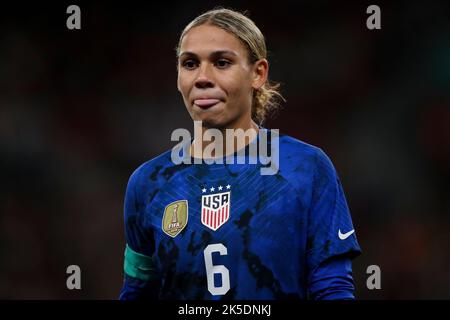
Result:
<point x="206" y="103"/>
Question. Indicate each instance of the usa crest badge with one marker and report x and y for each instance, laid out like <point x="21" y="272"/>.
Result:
<point x="216" y="209"/>
<point x="175" y="217"/>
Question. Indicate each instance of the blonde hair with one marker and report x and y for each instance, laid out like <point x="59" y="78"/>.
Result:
<point x="265" y="99"/>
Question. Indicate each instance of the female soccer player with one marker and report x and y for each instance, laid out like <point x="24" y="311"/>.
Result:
<point x="224" y="230"/>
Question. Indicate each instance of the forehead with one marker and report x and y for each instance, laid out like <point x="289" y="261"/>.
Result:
<point x="207" y="38"/>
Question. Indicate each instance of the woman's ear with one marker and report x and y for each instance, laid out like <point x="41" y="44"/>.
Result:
<point x="260" y="73"/>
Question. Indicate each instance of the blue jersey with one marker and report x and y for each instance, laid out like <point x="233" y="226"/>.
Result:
<point x="224" y="231"/>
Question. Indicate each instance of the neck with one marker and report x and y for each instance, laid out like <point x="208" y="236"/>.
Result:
<point x="210" y="144"/>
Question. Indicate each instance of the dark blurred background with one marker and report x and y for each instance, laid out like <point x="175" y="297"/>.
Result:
<point x="81" y="109"/>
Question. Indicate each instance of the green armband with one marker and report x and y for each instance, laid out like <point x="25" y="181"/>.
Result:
<point x="138" y="265"/>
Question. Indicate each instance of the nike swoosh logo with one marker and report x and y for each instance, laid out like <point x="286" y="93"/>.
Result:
<point x="344" y="236"/>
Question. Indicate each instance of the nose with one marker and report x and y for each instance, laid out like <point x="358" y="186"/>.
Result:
<point x="204" y="78"/>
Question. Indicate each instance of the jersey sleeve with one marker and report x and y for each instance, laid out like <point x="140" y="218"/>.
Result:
<point x="140" y="275"/>
<point x="332" y="242"/>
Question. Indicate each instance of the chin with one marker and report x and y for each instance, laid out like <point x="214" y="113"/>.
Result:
<point x="212" y="123"/>
<point x="217" y="121"/>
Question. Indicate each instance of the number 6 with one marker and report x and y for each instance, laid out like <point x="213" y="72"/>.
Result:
<point x="212" y="269"/>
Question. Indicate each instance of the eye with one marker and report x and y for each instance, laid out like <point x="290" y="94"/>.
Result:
<point x="223" y="63"/>
<point x="189" y="64"/>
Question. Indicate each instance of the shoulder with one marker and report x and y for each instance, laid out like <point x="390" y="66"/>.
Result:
<point x="297" y="154"/>
<point x="294" y="147"/>
<point x="154" y="172"/>
<point x="302" y="163"/>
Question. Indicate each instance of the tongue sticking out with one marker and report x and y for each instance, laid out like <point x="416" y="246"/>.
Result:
<point x="204" y="103"/>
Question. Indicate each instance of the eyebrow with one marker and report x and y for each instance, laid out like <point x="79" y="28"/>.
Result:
<point x="212" y="55"/>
